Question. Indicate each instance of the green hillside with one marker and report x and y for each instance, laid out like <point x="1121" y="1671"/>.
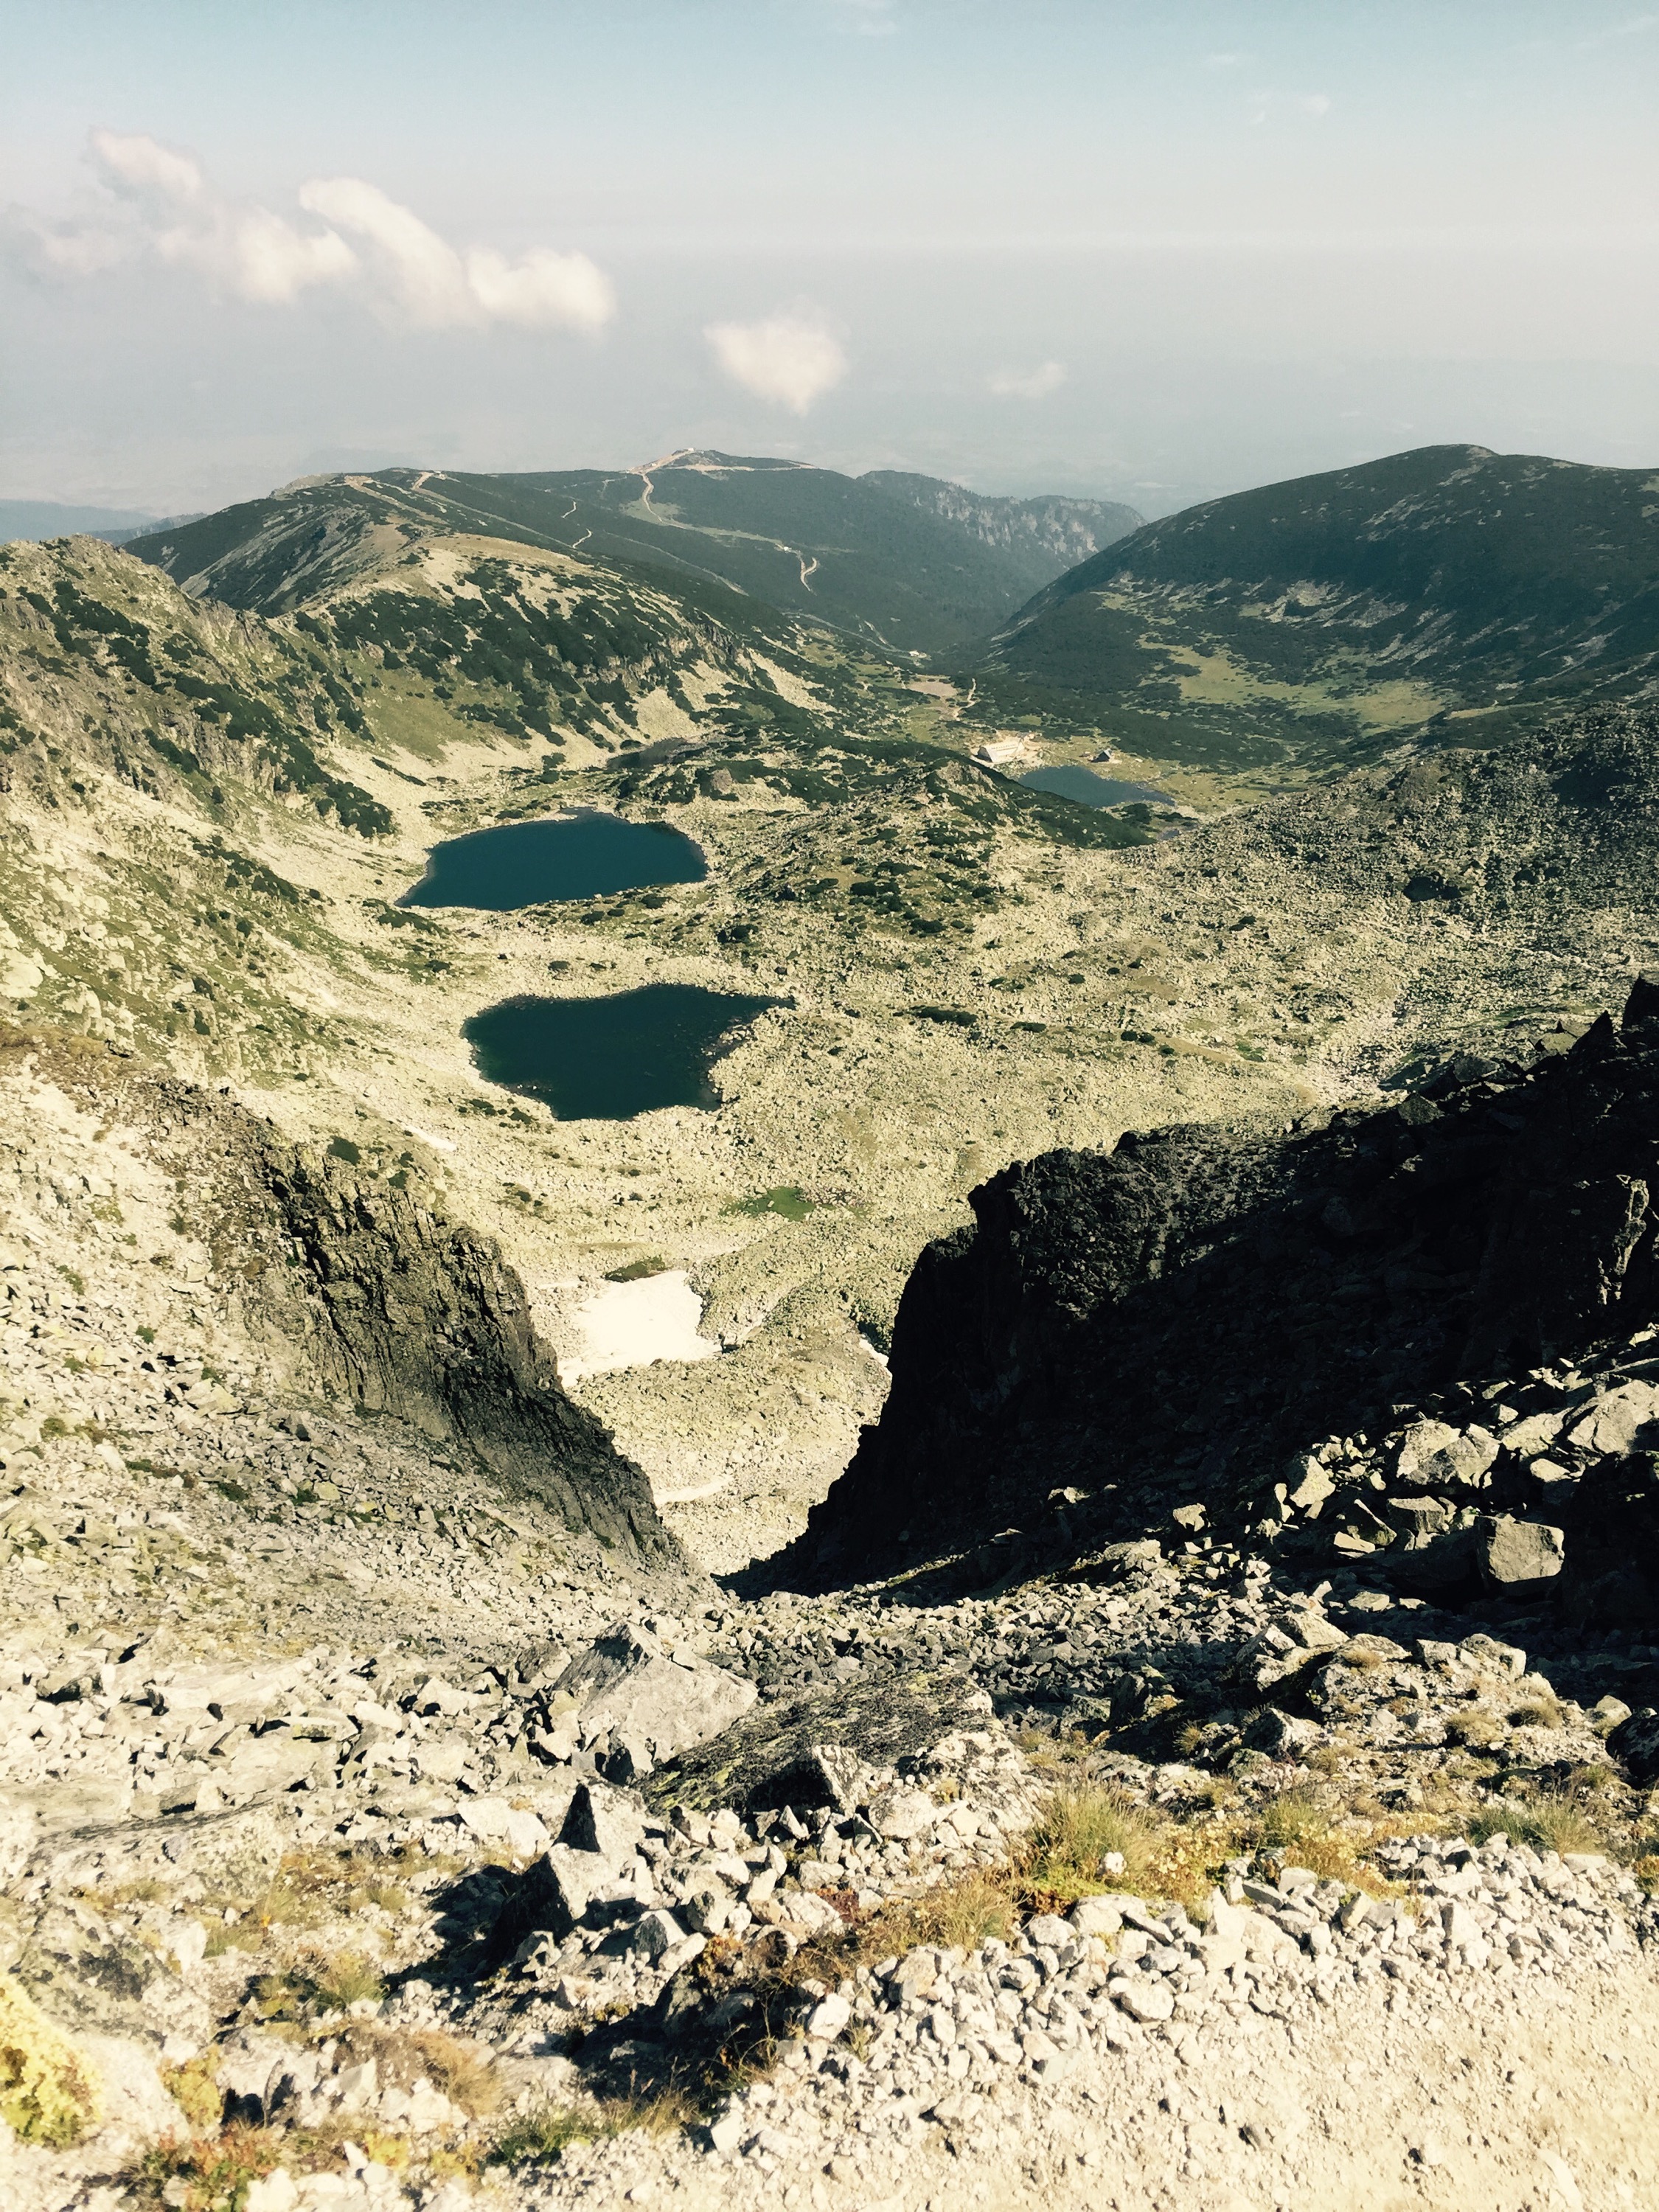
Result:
<point x="907" y="563"/>
<point x="1317" y="622"/>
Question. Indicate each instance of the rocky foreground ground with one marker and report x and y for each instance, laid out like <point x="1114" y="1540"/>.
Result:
<point x="367" y="1839"/>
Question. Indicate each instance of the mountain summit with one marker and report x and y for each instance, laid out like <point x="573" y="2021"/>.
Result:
<point x="1317" y="618"/>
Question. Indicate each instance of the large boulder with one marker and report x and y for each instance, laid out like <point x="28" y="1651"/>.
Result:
<point x="1616" y="1420"/>
<point x="627" y="1686"/>
<point x="1517" y="1554"/>
<point x="828" y="1746"/>
<point x="1635" y="1744"/>
<point x="594" y="1866"/>
<point x="1434" y="1456"/>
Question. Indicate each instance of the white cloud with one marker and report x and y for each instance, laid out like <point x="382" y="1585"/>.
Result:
<point x="157" y="202"/>
<point x="543" y="287"/>
<point x="1028" y="384"/>
<point x="1315" y="103"/>
<point x="145" y="164"/>
<point x="789" y="358"/>
<point x="419" y="274"/>
<point x="273" y="262"/>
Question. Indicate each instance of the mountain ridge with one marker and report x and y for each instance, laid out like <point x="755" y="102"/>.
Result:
<point x="845" y="552"/>
<point x="1447" y="589"/>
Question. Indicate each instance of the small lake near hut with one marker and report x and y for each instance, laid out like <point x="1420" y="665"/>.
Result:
<point x="1070" y="781"/>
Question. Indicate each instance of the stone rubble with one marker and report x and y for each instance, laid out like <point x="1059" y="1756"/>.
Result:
<point x="342" y="1796"/>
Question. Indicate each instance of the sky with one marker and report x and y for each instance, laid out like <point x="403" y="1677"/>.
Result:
<point x="1150" y="250"/>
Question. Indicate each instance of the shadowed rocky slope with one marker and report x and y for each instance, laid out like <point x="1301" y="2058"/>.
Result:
<point x="362" y="1289"/>
<point x="1162" y="1325"/>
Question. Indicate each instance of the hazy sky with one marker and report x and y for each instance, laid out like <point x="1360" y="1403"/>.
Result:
<point x="1152" y="250"/>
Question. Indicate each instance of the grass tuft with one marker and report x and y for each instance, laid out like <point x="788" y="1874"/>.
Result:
<point x="544" y="2135"/>
<point x="403" y="2054"/>
<point x="1475" y="1729"/>
<point x="1082" y="1827"/>
<point x="301" y="1991"/>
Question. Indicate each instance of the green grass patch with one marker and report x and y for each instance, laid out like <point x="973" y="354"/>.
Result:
<point x="783" y="1199"/>
<point x="637" y="1270"/>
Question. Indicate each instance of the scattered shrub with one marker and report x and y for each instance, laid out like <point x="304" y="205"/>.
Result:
<point x="1081" y="1828"/>
<point x="196" y="2093"/>
<point x="210" y="2173"/>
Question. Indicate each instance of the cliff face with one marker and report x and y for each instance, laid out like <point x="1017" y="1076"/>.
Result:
<point x="406" y="1312"/>
<point x="1164" y="1324"/>
<point x="360" y="1287"/>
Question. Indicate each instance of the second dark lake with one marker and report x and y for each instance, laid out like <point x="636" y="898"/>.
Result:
<point x="574" y="856"/>
<point x="1070" y="781"/>
<point x="609" y="1059"/>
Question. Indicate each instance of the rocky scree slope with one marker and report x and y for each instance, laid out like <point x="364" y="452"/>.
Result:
<point x="365" y="1831"/>
<point x="1520" y="841"/>
<point x="1181" y="1313"/>
<point x="1321" y="619"/>
<point x="362" y="1289"/>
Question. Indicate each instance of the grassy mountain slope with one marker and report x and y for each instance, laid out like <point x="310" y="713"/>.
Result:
<point x="1318" y="620"/>
<point x="920" y="569"/>
<point x="165" y="761"/>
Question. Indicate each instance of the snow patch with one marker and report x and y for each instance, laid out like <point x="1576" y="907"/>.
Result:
<point x="635" y="1324"/>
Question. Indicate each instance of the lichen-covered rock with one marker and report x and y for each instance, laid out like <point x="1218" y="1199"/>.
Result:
<point x="772" y="1756"/>
<point x="94" y="1978"/>
<point x="49" y="2091"/>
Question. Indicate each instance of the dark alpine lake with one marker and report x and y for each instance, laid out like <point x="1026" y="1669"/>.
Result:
<point x="609" y="1059"/>
<point x="574" y="856"/>
<point x="1088" y="788"/>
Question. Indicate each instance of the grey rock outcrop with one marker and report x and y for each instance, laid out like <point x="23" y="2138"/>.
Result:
<point x="367" y="1289"/>
<point x="1182" y="1314"/>
<point x="625" y="1684"/>
<point x="413" y="1314"/>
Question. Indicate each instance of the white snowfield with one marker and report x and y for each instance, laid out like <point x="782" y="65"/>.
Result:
<point x="635" y="1324"/>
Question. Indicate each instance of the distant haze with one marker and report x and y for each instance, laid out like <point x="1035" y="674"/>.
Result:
<point x="1140" y="253"/>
